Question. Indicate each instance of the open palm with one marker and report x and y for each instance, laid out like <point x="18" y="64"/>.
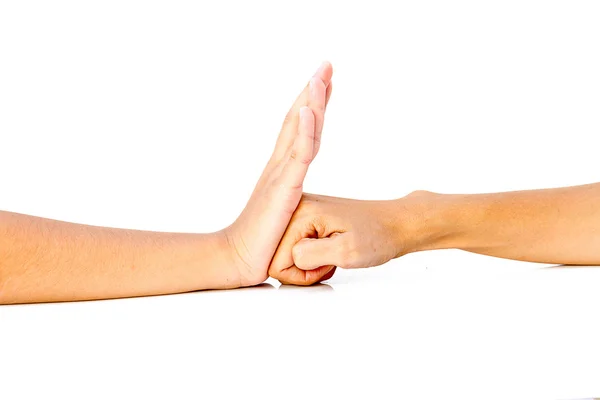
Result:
<point x="256" y="233"/>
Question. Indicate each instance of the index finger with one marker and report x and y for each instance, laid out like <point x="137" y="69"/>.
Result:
<point x="288" y="130"/>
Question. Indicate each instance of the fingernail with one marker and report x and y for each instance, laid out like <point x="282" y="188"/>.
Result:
<point x="304" y="114"/>
<point x="304" y="111"/>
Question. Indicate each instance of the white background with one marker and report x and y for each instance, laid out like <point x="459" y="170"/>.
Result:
<point x="160" y="115"/>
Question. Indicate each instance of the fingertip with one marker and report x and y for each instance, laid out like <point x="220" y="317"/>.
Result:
<point x="306" y="116"/>
<point x="297" y="251"/>
<point x="302" y="254"/>
<point x="329" y="274"/>
<point x="304" y="110"/>
<point x="325" y="72"/>
<point x="318" y="91"/>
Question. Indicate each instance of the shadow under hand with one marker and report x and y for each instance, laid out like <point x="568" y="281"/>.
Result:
<point x="260" y="286"/>
<point x="318" y="287"/>
<point x="565" y="266"/>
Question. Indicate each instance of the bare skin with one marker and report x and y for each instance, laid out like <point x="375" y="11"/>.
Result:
<point x="44" y="260"/>
<point x="557" y="226"/>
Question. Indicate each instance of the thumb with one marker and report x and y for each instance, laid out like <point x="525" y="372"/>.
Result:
<point x="310" y="254"/>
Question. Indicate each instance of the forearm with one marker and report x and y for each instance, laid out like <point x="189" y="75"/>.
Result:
<point x="46" y="260"/>
<point x="559" y="226"/>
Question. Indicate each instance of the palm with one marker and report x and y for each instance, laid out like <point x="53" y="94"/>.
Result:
<point x="257" y="232"/>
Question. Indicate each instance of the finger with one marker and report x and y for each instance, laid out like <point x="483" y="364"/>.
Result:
<point x="316" y="102"/>
<point x="317" y="275"/>
<point x="328" y="93"/>
<point x="309" y="254"/>
<point x="323" y="73"/>
<point x="288" y="130"/>
<point x="329" y="275"/>
<point x="283" y="269"/>
<point x="295" y="276"/>
<point x="301" y="155"/>
<point x="282" y="266"/>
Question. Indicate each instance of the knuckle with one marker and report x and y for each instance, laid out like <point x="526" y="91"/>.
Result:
<point x="321" y="225"/>
<point x="347" y="254"/>
<point x="305" y="203"/>
<point x="301" y="158"/>
<point x="274" y="272"/>
<point x="343" y="257"/>
<point x="354" y="256"/>
<point x="297" y="254"/>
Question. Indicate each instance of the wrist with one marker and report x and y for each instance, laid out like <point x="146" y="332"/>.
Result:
<point x="239" y="259"/>
<point x="428" y="221"/>
<point x="220" y="269"/>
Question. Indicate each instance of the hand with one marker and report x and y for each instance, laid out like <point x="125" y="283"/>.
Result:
<point x="254" y="236"/>
<point x="329" y="232"/>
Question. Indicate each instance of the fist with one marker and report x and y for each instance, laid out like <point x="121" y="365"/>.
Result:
<point x="329" y="232"/>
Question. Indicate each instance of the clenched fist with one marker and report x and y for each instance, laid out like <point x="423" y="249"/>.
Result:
<point x="329" y="232"/>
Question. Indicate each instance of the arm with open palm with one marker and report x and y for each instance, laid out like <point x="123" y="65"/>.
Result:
<point x="46" y="260"/>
